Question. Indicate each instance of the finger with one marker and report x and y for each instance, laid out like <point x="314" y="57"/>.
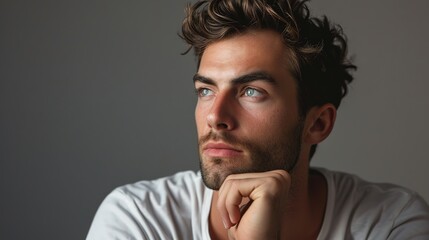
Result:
<point x="233" y="200"/>
<point x="278" y="172"/>
<point x="232" y="195"/>
<point x="273" y="181"/>
<point x="223" y="192"/>
<point x="229" y="202"/>
<point x="239" y="186"/>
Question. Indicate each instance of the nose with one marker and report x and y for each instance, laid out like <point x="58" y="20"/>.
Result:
<point x="222" y="115"/>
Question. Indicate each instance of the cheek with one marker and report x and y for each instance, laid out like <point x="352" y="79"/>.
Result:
<point x="200" y="118"/>
<point x="261" y="121"/>
<point x="269" y="122"/>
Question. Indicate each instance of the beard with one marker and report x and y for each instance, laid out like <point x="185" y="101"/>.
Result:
<point x="276" y="153"/>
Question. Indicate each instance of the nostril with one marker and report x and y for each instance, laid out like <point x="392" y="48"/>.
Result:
<point x="222" y="126"/>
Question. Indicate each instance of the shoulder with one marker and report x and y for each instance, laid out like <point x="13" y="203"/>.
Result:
<point x="157" y="209"/>
<point x="365" y="209"/>
<point x="182" y="185"/>
<point x="351" y="188"/>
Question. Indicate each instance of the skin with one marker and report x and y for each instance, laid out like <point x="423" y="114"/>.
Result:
<point x="258" y="114"/>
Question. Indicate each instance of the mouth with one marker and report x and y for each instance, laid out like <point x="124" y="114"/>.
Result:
<point x="220" y="150"/>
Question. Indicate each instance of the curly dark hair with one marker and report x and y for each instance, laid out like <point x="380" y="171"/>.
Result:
<point x="318" y="48"/>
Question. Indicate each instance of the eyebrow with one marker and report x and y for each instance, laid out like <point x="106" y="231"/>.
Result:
<point x="251" y="77"/>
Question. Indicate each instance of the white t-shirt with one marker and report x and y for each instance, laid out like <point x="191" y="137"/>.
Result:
<point x="177" y="207"/>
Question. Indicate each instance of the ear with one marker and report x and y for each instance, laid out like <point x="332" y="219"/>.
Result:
<point x="319" y="123"/>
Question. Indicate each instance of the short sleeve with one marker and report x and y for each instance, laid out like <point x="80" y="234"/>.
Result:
<point x="412" y="221"/>
<point x="116" y="218"/>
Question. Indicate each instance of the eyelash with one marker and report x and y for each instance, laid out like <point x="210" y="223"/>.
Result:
<point x="254" y="89"/>
<point x="199" y="92"/>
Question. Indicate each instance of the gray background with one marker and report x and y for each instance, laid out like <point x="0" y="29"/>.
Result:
<point x="95" y="94"/>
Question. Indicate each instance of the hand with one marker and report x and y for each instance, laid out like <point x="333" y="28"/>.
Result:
<point x="267" y="192"/>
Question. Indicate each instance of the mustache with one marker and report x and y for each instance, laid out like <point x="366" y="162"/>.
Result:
<point x="217" y="136"/>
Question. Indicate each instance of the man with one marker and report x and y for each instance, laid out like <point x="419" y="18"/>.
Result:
<point x="270" y="79"/>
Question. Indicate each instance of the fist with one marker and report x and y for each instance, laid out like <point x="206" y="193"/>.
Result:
<point x="252" y="204"/>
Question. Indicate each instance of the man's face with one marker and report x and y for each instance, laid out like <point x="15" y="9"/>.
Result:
<point x="247" y="110"/>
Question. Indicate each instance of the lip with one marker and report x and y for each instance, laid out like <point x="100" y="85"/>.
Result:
<point x="220" y="149"/>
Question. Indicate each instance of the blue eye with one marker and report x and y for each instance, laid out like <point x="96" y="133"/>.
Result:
<point x="251" y="92"/>
<point x="204" y="92"/>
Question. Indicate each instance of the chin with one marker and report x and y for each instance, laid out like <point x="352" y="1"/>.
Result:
<point x="213" y="176"/>
<point x="215" y="172"/>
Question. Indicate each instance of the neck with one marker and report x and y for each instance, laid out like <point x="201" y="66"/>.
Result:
<point x="307" y="204"/>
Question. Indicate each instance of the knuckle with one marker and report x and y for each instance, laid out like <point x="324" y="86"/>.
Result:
<point x="234" y="184"/>
<point x="226" y="182"/>
<point x="273" y="181"/>
<point x="229" y="178"/>
<point x="283" y="175"/>
<point x="278" y="179"/>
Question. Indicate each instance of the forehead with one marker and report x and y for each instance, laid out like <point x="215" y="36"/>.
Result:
<point x="261" y="50"/>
